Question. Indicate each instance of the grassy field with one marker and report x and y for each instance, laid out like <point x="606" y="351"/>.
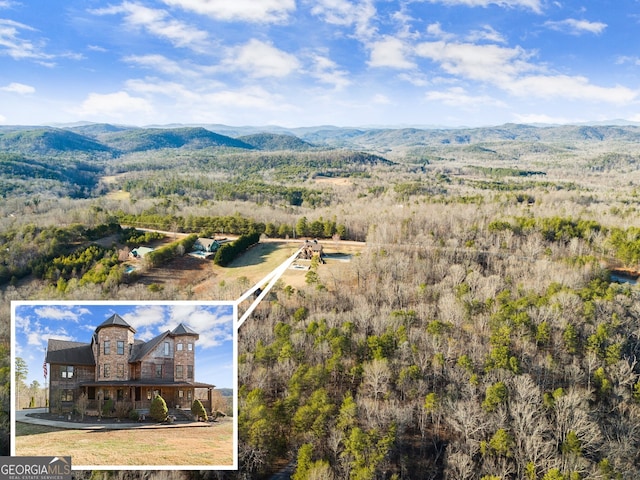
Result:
<point x="265" y="257"/>
<point x="187" y="446"/>
<point x="253" y="265"/>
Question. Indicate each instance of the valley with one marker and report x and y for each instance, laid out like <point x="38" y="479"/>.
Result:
<point x="465" y="324"/>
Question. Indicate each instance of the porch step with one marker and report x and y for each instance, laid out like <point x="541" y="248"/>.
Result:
<point x="181" y="415"/>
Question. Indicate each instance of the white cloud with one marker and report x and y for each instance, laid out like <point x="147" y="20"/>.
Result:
<point x="159" y="63"/>
<point x="414" y="78"/>
<point x="213" y="324"/>
<point x="257" y="11"/>
<point x="569" y="87"/>
<point x="174" y="90"/>
<point x="118" y="105"/>
<point x="51" y="312"/>
<point x="146" y="317"/>
<point x="96" y="48"/>
<point x="18" y="48"/>
<point x="623" y="59"/>
<point x="404" y="21"/>
<point x="260" y="60"/>
<point x="390" y="52"/>
<point x="534" y="5"/>
<point x="577" y="27"/>
<point x="19" y="88"/>
<point x="490" y="63"/>
<point x="511" y="70"/>
<point x="357" y="13"/>
<point x="326" y="71"/>
<point x="488" y="33"/>
<point x="435" y="30"/>
<point x="3" y="119"/>
<point x="36" y="334"/>
<point x="41" y="337"/>
<point x="158" y="23"/>
<point x="458" y="97"/>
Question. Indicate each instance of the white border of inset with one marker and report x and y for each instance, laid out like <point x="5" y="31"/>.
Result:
<point x="89" y="303"/>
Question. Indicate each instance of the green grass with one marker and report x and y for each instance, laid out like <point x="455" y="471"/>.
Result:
<point x="187" y="446"/>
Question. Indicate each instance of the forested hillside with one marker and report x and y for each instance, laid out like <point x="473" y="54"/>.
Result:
<point x="486" y="330"/>
<point x="272" y="141"/>
<point x="511" y="355"/>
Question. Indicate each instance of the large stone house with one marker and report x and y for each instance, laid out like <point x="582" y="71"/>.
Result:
<point x="114" y="365"/>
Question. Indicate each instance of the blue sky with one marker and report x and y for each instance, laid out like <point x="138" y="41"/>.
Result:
<point x="35" y="322"/>
<point x="312" y="62"/>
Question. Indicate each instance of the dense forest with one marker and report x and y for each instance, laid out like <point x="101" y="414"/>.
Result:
<point x="487" y="329"/>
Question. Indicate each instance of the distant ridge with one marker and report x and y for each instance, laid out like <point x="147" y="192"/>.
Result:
<point x="113" y="140"/>
<point x="97" y="129"/>
<point x="47" y="141"/>
<point x="274" y="141"/>
<point x="144" y="139"/>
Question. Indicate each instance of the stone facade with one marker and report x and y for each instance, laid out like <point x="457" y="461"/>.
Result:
<point x="185" y="357"/>
<point x="114" y="365"/>
<point x="111" y="351"/>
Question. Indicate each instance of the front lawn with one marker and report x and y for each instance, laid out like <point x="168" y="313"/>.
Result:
<point x="185" y="446"/>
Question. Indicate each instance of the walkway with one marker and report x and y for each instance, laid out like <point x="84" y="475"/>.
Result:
<point x="21" y="416"/>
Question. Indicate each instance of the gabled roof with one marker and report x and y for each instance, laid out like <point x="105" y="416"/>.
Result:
<point x="182" y="329"/>
<point x="206" y="243"/>
<point x="141" y="349"/>
<point x="70" y="353"/>
<point x="77" y="353"/>
<point x="115" y="320"/>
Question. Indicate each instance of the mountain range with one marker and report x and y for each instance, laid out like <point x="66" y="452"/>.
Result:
<point x="71" y="160"/>
<point x="115" y="140"/>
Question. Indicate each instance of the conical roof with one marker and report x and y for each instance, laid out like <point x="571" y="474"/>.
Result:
<point x="182" y="329"/>
<point x="115" y="320"/>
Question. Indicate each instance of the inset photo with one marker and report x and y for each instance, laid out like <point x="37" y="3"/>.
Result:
<point x="126" y="385"/>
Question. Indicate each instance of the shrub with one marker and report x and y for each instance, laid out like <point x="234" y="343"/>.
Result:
<point x="82" y="404"/>
<point x="107" y="408"/>
<point x="164" y="254"/>
<point x="229" y="251"/>
<point x="134" y="415"/>
<point x="198" y="410"/>
<point x="122" y="410"/>
<point x="158" y="410"/>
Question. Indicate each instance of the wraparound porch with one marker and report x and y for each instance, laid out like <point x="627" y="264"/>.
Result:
<point x="138" y="395"/>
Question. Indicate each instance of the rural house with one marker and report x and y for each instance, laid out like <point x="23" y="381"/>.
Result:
<point x="114" y="365"/>
<point x="205" y="247"/>
<point x="312" y="249"/>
